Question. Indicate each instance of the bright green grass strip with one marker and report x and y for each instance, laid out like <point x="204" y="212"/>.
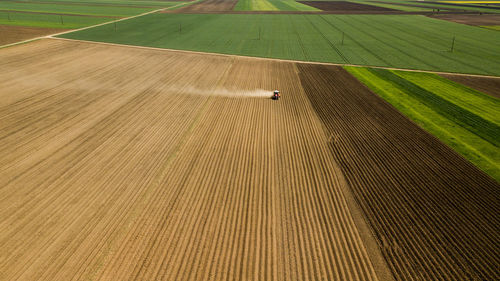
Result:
<point x="476" y="124"/>
<point x="483" y="105"/>
<point x="477" y="150"/>
<point x="492" y="27"/>
<point x="262" y="5"/>
<point x="49" y="21"/>
<point x="74" y="9"/>
<point x="401" y="41"/>
<point x="291" y="5"/>
<point x="272" y="5"/>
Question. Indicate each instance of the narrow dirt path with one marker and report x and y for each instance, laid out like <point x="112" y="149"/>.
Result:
<point x="92" y="26"/>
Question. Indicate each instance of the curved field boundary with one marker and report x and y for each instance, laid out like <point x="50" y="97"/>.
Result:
<point x="12" y="34"/>
<point x="433" y="213"/>
<point x="92" y="26"/>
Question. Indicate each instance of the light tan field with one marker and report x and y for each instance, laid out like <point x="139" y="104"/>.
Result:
<point x="126" y="163"/>
<point x="113" y="168"/>
<point x="11" y="33"/>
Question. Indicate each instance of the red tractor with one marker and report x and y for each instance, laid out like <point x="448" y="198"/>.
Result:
<point x="276" y="95"/>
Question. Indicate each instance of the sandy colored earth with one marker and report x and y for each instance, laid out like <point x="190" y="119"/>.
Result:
<point x="11" y="34"/>
<point x="487" y="85"/>
<point x="476" y="19"/>
<point x="121" y="163"/>
<point x="128" y="164"/>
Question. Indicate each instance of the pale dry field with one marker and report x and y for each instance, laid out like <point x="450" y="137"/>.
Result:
<point x="120" y="163"/>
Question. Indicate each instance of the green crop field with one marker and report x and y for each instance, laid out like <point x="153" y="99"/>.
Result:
<point x="379" y="40"/>
<point x="465" y="119"/>
<point x="91" y="10"/>
<point x="441" y="6"/>
<point x="492" y="27"/>
<point x="49" y="20"/>
<point x="272" y="5"/>
<point x="134" y="3"/>
<point x="69" y="14"/>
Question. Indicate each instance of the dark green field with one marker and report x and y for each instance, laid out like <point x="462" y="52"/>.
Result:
<point x="415" y="42"/>
<point x="70" y="14"/>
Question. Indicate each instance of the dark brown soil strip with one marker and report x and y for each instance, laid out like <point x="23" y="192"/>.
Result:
<point x="420" y="6"/>
<point x="490" y="86"/>
<point x="12" y="34"/>
<point x="434" y="214"/>
<point x="477" y="19"/>
<point x="343" y="6"/>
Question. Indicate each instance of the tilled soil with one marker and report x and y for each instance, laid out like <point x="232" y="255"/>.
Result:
<point x="121" y="163"/>
<point x="477" y="19"/>
<point x="343" y="6"/>
<point x="434" y="214"/>
<point x="486" y="85"/>
<point x="11" y="34"/>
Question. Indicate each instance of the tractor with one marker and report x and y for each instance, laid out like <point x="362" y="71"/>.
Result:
<point x="276" y="95"/>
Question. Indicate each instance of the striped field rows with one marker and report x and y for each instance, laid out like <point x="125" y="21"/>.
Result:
<point x="127" y="164"/>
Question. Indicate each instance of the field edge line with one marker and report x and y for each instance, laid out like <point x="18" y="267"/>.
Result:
<point x="270" y="59"/>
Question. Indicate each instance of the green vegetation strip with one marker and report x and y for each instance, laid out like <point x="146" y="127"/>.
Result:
<point x="76" y="9"/>
<point x="492" y="27"/>
<point x="465" y="119"/>
<point x="136" y="3"/>
<point x="407" y="41"/>
<point x="49" y="20"/>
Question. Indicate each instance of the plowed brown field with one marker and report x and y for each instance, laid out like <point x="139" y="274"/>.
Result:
<point x="343" y="6"/>
<point x="434" y="214"/>
<point x="122" y="163"/>
<point x="486" y="19"/>
<point x="125" y="164"/>
<point x="488" y="85"/>
<point x="11" y="34"/>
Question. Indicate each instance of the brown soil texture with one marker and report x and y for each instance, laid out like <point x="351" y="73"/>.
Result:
<point x="122" y="163"/>
<point x="484" y="19"/>
<point x="12" y="34"/>
<point x="434" y="214"/>
<point x="427" y="5"/>
<point x="486" y="85"/>
<point x="343" y="6"/>
<point x="208" y="6"/>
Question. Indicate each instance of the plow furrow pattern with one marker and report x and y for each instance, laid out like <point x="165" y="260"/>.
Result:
<point x="433" y="213"/>
<point x="127" y="164"/>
